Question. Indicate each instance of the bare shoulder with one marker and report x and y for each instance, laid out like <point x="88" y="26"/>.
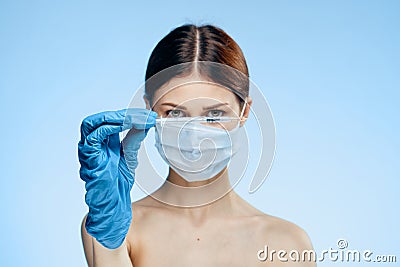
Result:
<point x="274" y="230"/>
<point x="283" y="234"/>
<point x="283" y="243"/>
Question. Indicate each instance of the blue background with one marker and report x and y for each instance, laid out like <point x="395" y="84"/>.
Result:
<point x="329" y="70"/>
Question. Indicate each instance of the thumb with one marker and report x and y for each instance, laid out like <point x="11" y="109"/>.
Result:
<point x="133" y="139"/>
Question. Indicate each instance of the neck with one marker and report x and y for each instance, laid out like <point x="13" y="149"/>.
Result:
<point x="176" y="179"/>
<point x="215" y="193"/>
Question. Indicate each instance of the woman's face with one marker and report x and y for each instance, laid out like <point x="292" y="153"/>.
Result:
<point x="188" y="97"/>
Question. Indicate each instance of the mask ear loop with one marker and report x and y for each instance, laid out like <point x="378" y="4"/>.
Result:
<point x="243" y="109"/>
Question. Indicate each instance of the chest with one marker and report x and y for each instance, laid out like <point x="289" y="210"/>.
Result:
<point x="214" y="245"/>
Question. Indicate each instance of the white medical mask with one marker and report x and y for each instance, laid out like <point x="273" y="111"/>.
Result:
<point x="196" y="151"/>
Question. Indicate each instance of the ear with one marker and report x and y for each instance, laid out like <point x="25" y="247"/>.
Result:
<point x="147" y="102"/>
<point x="246" y="111"/>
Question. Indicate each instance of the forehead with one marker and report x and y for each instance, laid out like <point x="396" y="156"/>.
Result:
<point x="180" y="90"/>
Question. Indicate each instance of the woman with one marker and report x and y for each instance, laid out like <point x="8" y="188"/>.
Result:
<point x="210" y="227"/>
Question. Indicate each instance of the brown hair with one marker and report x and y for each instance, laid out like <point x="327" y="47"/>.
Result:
<point x="198" y="45"/>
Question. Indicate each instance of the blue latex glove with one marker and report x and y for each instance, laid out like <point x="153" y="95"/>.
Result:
<point x="104" y="169"/>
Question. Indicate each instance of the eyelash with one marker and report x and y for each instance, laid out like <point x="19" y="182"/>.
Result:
<point x="173" y="110"/>
<point x="221" y="113"/>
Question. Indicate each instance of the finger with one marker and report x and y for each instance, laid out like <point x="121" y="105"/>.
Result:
<point x="92" y="122"/>
<point x="126" y="117"/>
<point x="114" y="142"/>
<point x="133" y="139"/>
<point x="98" y="136"/>
<point x="139" y="118"/>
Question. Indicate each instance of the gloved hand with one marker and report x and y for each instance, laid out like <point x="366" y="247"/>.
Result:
<point x="104" y="169"/>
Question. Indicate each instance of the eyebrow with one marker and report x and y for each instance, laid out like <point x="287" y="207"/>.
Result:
<point x="216" y="106"/>
<point x="173" y="105"/>
<point x="184" y="108"/>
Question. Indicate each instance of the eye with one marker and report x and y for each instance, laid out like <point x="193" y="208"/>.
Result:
<point x="215" y="113"/>
<point x="174" y="113"/>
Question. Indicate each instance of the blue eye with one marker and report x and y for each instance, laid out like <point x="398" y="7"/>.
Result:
<point x="174" y="113"/>
<point x="215" y="113"/>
